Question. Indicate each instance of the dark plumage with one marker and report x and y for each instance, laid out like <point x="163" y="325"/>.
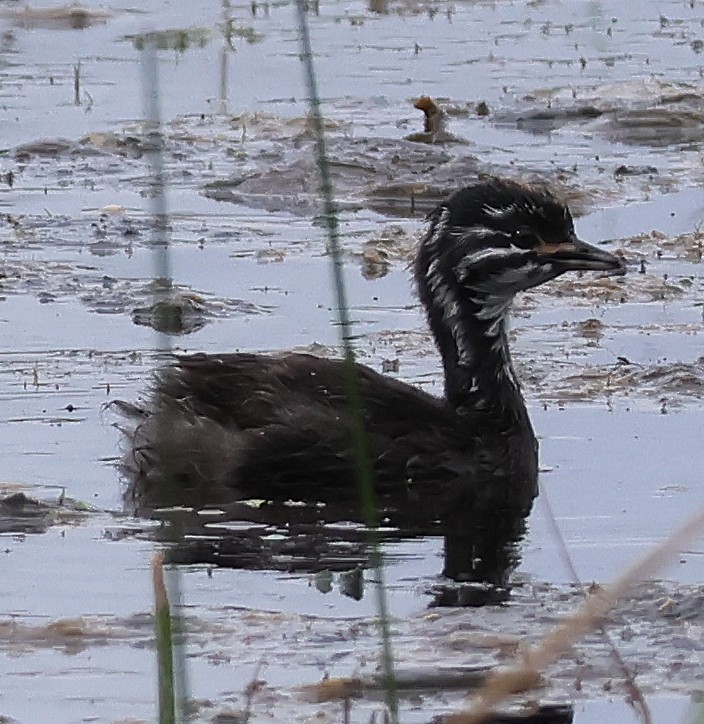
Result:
<point x="228" y="426"/>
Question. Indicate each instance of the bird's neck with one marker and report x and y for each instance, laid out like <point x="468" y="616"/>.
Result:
<point x="472" y="338"/>
<point x="479" y="374"/>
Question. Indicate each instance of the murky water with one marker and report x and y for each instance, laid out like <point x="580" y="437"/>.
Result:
<point x="602" y="100"/>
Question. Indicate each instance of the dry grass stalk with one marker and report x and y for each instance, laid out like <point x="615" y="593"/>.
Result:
<point x="333" y="690"/>
<point x="525" y="674"/>
<point x="347" y="688"/>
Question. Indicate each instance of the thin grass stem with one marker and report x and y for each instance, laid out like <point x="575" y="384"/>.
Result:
<point x="359" y="436"/>
<point x="163" y="286"/>
<point x="636" y="697"/>
<point x="531" y="660"/>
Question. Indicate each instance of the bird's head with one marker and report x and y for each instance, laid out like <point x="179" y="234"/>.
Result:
<point x="497" y="238"/>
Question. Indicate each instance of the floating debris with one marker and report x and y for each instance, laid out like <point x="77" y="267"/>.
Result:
<point x="434" y="124"/>
<point x="63" y="17"/>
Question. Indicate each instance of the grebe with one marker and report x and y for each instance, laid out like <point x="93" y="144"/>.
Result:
<point x="219" y="428"/>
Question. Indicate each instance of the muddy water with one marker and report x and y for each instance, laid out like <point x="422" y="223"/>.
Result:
<point x="603" y="100"/>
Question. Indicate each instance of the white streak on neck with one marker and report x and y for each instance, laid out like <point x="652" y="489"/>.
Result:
<point x="443" y="296"/>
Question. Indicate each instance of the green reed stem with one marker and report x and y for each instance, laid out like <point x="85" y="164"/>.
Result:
<point x="173" y="682"/>
<point x="696" y="715"/>
<point x="359" y="437"/>
<point x="164" y="644"/>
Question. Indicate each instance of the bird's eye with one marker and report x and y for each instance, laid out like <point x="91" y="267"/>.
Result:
<point x="523" y="239"/>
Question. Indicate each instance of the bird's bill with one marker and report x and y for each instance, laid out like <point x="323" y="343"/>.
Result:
<point x="577" y="255"/>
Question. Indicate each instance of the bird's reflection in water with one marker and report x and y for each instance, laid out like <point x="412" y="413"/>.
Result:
<point x="480" y="549"/>
<point x="480" y="553"/>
